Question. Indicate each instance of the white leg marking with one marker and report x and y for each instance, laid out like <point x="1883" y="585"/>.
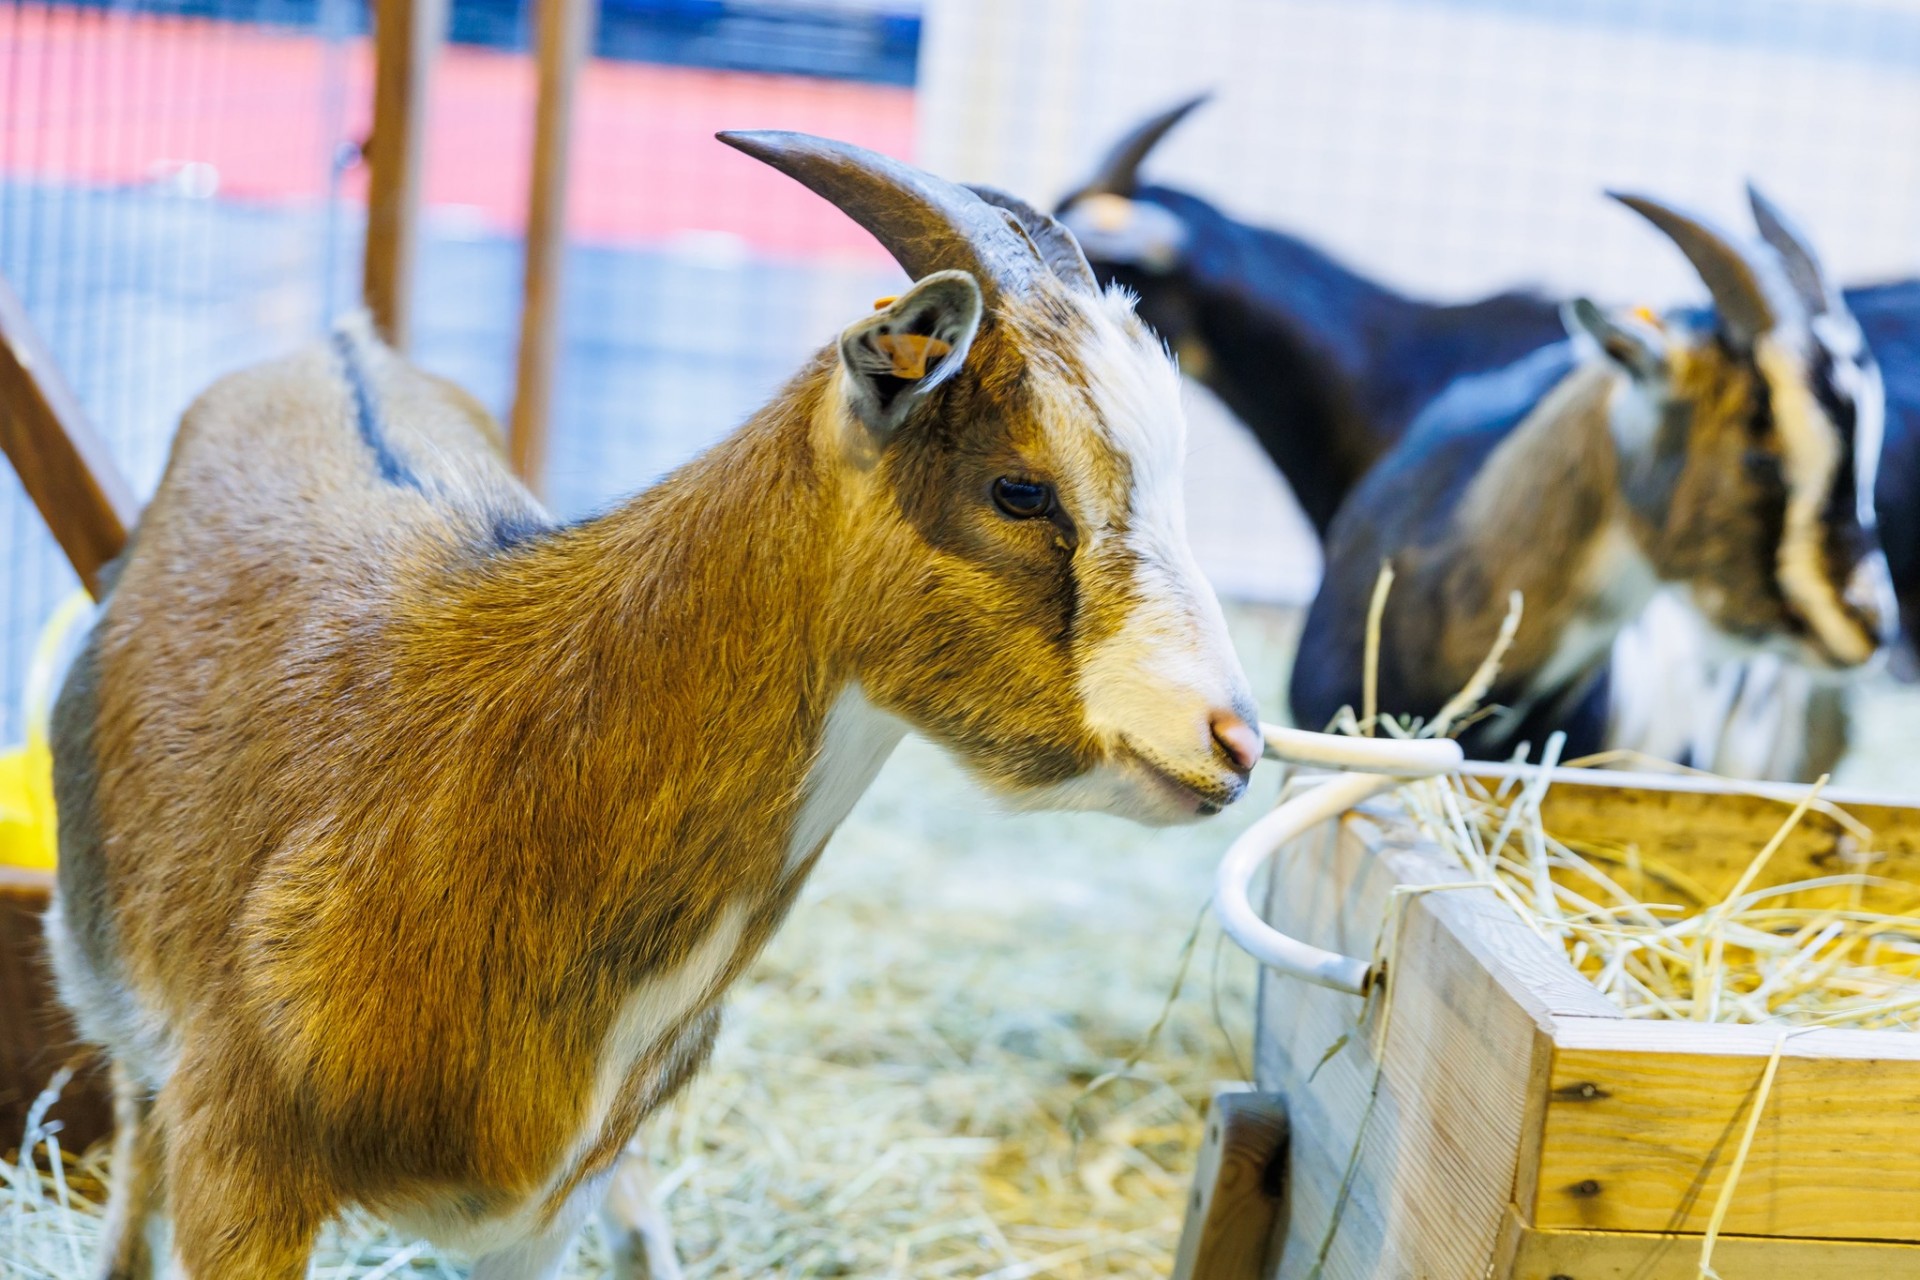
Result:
<point x="540" y="1257"/>
<point x="657" y="1008"/>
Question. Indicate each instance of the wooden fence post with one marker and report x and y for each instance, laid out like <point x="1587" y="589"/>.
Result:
<point x="61" y="461"/>
<point x="566" y="37"/>
<point x="407" y="35"/>
<point x="1238" y="1185"/>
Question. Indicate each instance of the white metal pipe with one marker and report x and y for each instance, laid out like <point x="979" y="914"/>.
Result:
<point x="1372" y="765"/>
<point x="1404" y="757"/>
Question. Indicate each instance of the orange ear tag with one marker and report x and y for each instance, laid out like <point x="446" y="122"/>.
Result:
<point x="881" y="304"/>
<point x="910" y="352"/>
<point x="1646" y="316"/>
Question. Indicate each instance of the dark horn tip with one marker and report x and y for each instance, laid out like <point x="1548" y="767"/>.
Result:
<point x="757" y="142"/>
<point x="1763" y="207"/>
<point x="1153" y="128"/>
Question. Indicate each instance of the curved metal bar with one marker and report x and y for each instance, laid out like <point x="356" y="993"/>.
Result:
<point x="1404" y="757"/>
<point x="1370" y="766"/>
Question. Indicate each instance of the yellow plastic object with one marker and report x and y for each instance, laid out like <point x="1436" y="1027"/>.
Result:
<point x="26" y="772"/>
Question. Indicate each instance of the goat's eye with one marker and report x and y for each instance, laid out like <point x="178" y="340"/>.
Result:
<point x="1023" y="499"/>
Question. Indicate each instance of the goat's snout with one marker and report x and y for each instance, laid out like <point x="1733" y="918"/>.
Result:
<point x="1238" y="739"/>
<point x="1869" y="594"/>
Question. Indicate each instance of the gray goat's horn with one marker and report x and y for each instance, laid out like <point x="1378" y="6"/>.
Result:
<point x="1731" y="274"/>
<point x="928" y="224"/>
<point x="1119" y="170"/>
<point x="1796" y="255"/>
<point x="1051" y="240"/>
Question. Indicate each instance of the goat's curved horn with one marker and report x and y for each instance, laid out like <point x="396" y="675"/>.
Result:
<point x="1732" y="276"/>
<point x="1051" y="240"/>
<point x="1119" y="170"/>
<point x="927" y="223"/>
<point x="1796" y="255"/>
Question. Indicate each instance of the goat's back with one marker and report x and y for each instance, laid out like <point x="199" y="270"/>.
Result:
<point x="236" y="698"/>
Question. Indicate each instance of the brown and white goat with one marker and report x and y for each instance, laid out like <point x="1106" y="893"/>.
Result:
<point x="1726" y="455"/>
<point x="408" y="839"/>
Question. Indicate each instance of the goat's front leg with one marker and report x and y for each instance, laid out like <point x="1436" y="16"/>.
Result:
<point x="634" y="1227"/>
<point x="537" y="1259"/>
<point x="243" y="1202"/>
<point x="135" y="1185"/>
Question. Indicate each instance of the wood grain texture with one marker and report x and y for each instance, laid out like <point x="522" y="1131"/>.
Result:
<point x="1517" y="1105"/>
<point x="1642" y="1121"/>
<point x="1238" y="1185"/>
<point x="566" y="37"/>
<point x="1712" y="827"/>
<point x="1593" y="1255"/>
<point x="62" y="463"/>
<point x="407" y="39"/>
<point x="1454" y="1063"/>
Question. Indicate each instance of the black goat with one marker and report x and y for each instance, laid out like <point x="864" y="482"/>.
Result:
<point x="1325" y="367"/>
<point x="1889" y="317"/>
<point x="1328" y="368"/>
<point x="1710" y="450"/>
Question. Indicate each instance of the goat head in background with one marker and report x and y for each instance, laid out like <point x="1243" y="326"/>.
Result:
<point x="1722" y="453"/>
<point x="1324" y="366"/>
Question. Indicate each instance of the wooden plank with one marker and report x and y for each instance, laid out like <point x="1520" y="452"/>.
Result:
<point x="1531" y="971"/>
<point x="407" y="39"/>
<point x="1455" y="1059"/>
<point x="1711" y="828"/>
<point x="1643" y="1118"/>
<point x="566" y="34"/>
<point x="1596" y="1255"/>
<point x="1237" y="1188"/>
<point x="62" y="462"/>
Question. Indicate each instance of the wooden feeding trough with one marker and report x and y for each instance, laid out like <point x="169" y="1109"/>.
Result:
<point x="1491" y="1114"/>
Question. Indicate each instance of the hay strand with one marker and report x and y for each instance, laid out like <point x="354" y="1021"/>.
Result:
<point x="1724" y="1200"/>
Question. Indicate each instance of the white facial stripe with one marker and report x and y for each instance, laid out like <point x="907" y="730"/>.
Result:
<point x="1857" y="378"/>
<point x="1869" y="433"/>
<point x="1810" y="454"/>
<point x="1156" y="680"/>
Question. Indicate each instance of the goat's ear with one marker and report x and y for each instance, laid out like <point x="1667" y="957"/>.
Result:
<point x="909" y="346"/>
<point x="1640" y="349"/>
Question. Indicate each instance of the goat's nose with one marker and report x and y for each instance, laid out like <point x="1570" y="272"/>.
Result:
<point x="1239" y="740"/>
<point x="1869" y="591"/>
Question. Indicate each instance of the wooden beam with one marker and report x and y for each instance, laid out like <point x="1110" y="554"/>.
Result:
<point x="61" y="461"/>
<point x="1238" y="1188"/>
<point x="566" y="37"/>
<point x="407" y="39"/>
<point x="1643" y="1117"/>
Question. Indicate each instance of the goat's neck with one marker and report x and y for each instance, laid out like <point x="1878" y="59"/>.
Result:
<point x="1545" y="517"/>
<point x="666" y="672"/>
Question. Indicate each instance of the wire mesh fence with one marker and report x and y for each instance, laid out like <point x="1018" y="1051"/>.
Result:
<point x="181" y="189"/>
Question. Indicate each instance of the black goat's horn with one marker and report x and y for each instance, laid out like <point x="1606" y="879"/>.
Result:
<point x="1796" y="256"/>
<point x="1119" y="171"/>
<point x="927" y="223"/>
<point x="1732" y="275"/>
